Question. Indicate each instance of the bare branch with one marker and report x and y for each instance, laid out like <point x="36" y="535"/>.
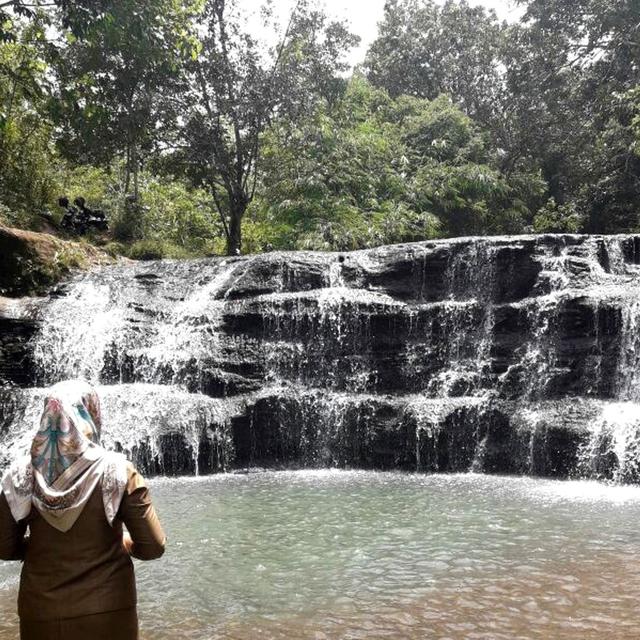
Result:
<point x="252" y="168"/>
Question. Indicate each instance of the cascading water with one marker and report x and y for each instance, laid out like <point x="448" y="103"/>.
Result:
<point x="516" y="355"/>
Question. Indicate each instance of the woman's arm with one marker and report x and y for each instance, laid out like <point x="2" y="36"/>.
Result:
<point x="12" y="541"/>
<point x="147" y="540"/>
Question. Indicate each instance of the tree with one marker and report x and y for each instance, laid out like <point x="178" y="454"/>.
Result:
<point x="12" y="11"/>
<point x="610" y="199"/>
<point x="457" y="173"/>
<point x="335" y="179"/>
<point x="591" y="35"/>
<point x="27" y="155"/>
<point x="234" y="92"/>
<point x="544" y="89"/>
<point x="554" y="218"/>
<point x="370" y="170"/>
<point x="118" y="67"/>
<point x="566" y="63"/>
<point x="424" y="49"/>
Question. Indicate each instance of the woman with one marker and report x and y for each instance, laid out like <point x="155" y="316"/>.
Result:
<point x="77" y="579"/>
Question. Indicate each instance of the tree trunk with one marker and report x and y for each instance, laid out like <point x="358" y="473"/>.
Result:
<point x="234" y="239"/>
<point x="136" y="171"/>
<point x="127" y="171"/>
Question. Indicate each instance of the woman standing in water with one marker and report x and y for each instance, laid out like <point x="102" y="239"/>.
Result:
<point x="77" y="580"/>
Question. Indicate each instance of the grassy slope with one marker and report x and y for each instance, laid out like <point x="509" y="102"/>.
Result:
<point x="31" y="262"/>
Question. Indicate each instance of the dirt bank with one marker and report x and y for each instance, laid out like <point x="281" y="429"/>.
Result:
<point x="31" y="262"/>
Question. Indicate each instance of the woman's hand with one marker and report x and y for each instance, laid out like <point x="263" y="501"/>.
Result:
<point x="127" y="542"/>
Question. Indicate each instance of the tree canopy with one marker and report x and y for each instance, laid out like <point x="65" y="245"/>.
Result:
<point x="199" y="133"/>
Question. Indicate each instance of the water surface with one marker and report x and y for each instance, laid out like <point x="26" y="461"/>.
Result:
<point x="329" y="554"/>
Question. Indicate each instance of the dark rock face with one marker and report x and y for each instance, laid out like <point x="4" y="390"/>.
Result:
<point x="503" y="355"/>
<point x="18" y="325"/>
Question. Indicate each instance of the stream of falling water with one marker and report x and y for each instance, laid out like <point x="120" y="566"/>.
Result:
<point x="366" y="358"/>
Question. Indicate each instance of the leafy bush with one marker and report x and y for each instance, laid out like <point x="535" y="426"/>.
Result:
<point x="182" y="216"/>
<point x="554" y="218"/>
<point x="115" y="249"/>
<point x="149" y="250"/>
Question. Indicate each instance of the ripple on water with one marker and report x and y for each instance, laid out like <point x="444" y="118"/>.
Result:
<point x="329" y="554"/>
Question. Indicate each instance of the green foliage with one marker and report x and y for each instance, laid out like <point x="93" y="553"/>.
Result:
<point x="331" y="179"/>
<point x="610" y="199"/>
<point x="95" y="184"/>
<point x="567" y="62"/>
<point x="371" y="170"/>
<point x="117" y="75"/>
<point x="28" y="171"/>
<point x="127" y="224"/>
<point x="439" y="131"/>
<point x="235" y="87"/>
<point x="424" y="49"/>
<point x="179" y="215"/>
<point x="115" y="249"/>
<point x="168" y="212"/>
<point x="633" y="100"/>
<point x="554" y="218"/>
<point x="12" y="12"/>
<point x="155" y="250"/>
<point x="195" y="137"/>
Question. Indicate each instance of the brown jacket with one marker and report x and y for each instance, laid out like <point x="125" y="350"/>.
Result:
<point x="86" y="570"/>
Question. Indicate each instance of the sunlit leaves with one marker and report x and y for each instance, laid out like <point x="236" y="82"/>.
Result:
<point x="370" y="169"/>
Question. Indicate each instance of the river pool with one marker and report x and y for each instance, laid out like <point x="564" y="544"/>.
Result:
<point x="340" y="554"/>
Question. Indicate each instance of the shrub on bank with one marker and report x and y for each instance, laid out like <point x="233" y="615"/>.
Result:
<point x="155" y="250"/>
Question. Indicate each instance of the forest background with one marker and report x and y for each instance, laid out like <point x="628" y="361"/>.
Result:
<point x="197" y="136"/>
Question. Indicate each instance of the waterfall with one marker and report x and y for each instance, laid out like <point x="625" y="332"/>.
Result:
<point x="507" y="354"/>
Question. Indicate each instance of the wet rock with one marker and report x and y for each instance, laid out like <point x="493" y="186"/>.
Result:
<point x="18" y="324"/>
<point x="469" y="354"/>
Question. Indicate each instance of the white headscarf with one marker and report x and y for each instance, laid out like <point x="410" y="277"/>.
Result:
<point x="66" y="461"/>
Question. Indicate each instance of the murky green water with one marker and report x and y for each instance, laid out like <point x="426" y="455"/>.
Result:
<point x="370" y="555"/>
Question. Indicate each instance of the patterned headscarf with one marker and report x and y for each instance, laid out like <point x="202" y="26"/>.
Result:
<point x="66" y="461"/>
